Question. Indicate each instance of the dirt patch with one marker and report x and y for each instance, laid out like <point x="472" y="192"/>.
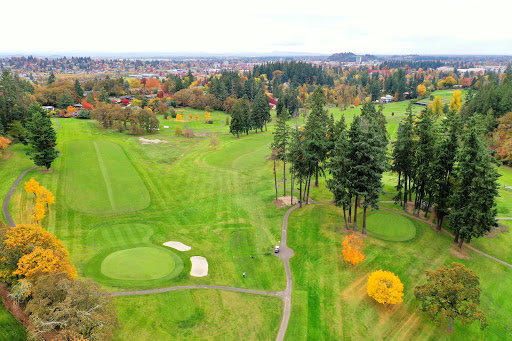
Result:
<point x="44" y="171"/>
<point x="279" y="204"/>
<point x="286" y="200"/>
<point x="15" y="309"/>
<point x="496" y="231"/>
<point x="461" y="254"/>
<point x="150" y="141"/>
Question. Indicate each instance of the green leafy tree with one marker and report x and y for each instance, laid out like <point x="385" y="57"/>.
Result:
<point x="103" y="96"/>
<point x="41" y="137"/>
<point x="473" y="209"/>
<point x="64" y="101"/>
<point x="261" y="110"/>
<point x="451" y="293"/>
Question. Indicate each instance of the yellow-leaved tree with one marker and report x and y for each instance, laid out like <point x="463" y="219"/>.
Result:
<point x="385" y="287"/>
<point x="31" y="186"/>
<point x="353" y="248"/>
<point x="456" y="101"/>
<point x="43" y="261"/>
<point x="39" y="212"/>
<point x="24" y="237"/>
<point x="422" y="89"/>
<point x="437" y="105"/>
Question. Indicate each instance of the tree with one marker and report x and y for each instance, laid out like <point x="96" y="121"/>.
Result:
<point x="437" y="105"/>
<point x="455" y="103"/>
<point x="78" y="89"/>
<point x="103" y="96"/>
<point x="503" y="135"/>
<point x="41" y="261"/>
<point x="385" y="287"/>
<point x="78" y="309"/>
<point x="421" y="89"/>
<point x="51" y="79"/>
<point x="41" y="137"/>
<point x="4" y="143"/>
<point x="281" y="135"/>
<point x="260" y="110"/>
<point x="31" y="186"/>
<point x="450" y="293"/>
<point x="178" y="131"/>
<point x="64" y="101"/>
<point x="473" y="208"/>
<point x="238" y="118"/>
<point x="353" y="248"/>
<point x="403" y="156"/>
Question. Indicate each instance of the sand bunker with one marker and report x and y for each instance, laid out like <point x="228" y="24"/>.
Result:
<point x="286" y="200"/>
<point x="199" y="266"/>
<point x="150" y="141"/>
<point x="178" y="246"/>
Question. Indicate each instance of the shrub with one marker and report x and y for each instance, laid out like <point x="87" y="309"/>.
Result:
<point x="208" y="121"/>
<point x="178" y="131"/>
<point x="188" y="132"/>
<point x="84" y="114"/>
<point x="172" y="113"/>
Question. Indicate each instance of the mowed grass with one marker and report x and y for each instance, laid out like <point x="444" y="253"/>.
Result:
<point x="140" y="263"/>
<point x="199" y="315"/>
<point x="10" y="329"/>
<point x="101" y="179"/>
<point x="332" y="300"/>
<point x="389" y="226"/>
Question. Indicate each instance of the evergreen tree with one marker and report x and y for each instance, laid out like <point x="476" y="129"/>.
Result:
<point x="280" y="107"/>
<point x="237" y="125"/>
<point x="292" y="101"/>
<point x="316" y="133"/>
<point x="78" y="89"/>
<point x="473" y="212"/>
<point x="297" y="157"/>
<point x="338" y="167"/>
<point x="281" y="135"/>
<point x="442" y="166"/>
<point x="260" y="110"/>
<point x="41" y="137"/>
<point x="51" y="79"/>
<point x="103" y="96"/>
<point x="247" y="115"/>
<point x="403" y="155"/>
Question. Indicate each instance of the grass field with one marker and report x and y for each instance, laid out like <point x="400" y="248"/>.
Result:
<point x="10" y="329"/>
<point x="119" y="200"/>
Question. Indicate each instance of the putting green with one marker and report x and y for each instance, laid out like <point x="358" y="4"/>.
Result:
<point x="141" y="263"/>
<point x="390" y="226"/>
<point x="99" y="178"/>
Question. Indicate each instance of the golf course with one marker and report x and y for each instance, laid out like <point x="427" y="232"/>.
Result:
<point x="119" y="199"/>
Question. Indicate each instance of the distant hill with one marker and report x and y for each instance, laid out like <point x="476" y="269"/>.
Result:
<point x="349" y="57"/>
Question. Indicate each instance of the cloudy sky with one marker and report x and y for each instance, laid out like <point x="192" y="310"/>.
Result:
<point x="225" y="26"/>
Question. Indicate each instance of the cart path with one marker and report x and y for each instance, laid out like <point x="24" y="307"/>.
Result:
<point x="5" y="207"/>
<point x="188" y="287"/>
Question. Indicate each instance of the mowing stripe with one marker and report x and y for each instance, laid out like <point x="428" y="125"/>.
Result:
<point x="105" y="177"/>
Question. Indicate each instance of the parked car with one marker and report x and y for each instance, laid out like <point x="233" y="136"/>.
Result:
<point x="276" y="250"/>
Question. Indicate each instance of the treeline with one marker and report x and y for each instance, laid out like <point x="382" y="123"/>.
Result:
<point x="447" y="166"/>
<point x="246" y="116"/>
<point x="422" y="64"/>
<point x="125" y="119"/>
<point x="296" y="73"/>
<point x="15" y="101"/>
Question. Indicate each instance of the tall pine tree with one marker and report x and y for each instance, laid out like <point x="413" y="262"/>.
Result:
<point x="41" y="137"/>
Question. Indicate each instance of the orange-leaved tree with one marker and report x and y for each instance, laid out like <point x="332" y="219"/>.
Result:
<point x="43" y="261"/>
<point x="385" y="287"/>
<point x="4" y="143"/>
<point x="353" y="248"/>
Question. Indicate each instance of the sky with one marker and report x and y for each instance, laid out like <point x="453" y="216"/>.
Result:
<point x="263" y="26"/>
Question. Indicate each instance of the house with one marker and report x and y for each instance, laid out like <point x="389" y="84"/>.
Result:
<point x="48" y="108"/>
<point x="386" y="99"/>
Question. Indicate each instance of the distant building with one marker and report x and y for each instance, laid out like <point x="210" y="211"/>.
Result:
<point x="386" y="99"/>
<point x="48" y="108"/>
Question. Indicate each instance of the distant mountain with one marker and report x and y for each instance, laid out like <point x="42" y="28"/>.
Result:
<point x="349" y="57"/>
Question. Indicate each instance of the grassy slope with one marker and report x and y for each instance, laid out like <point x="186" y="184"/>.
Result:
<point x="10" y="329"/>
<point x="331" y="296"/>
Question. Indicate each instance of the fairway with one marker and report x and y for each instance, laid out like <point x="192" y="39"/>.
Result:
<point x="390" y="227"/>
<point x="100" y="179"/>
<point x="141" y="263"/>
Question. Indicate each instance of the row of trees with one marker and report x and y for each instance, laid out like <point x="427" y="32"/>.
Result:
<point x="42" y="279"/>
<point x="246" y="116"/>
<point x="121" y="118"/>
<point x="448" y="166"/>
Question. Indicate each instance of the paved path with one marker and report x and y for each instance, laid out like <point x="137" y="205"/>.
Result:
<point x="451" y="235"/>
<point x="188" y="287"/>
<point x="5" y="207"/>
